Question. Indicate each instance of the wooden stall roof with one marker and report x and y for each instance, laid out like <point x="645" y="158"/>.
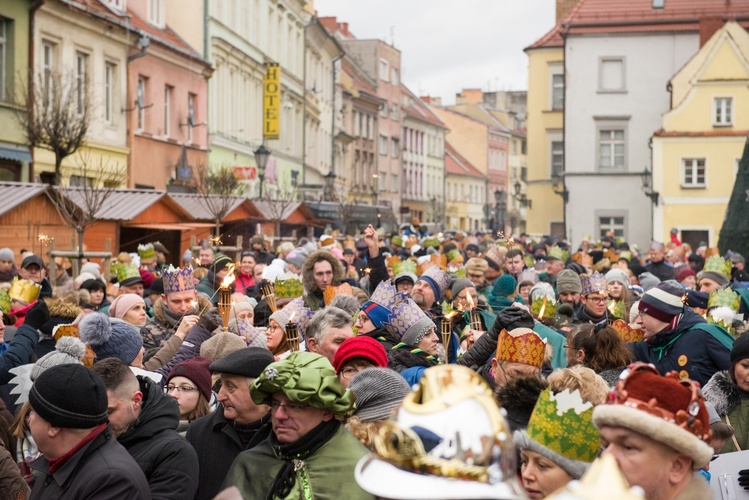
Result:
<point x="14" y="194"/>
<point x="197" y="206"/>
<point x="293" y="213"/>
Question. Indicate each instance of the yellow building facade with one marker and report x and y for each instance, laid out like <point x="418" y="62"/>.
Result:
<point x="696" y="153"/>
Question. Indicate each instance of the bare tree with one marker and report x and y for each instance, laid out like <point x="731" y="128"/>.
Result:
<point x="55" y="114"/>
<point x="276" y="201"/>
<point x="345" y="205"/>
<point x="218" y="189"/>
<point x="80" y="206"/>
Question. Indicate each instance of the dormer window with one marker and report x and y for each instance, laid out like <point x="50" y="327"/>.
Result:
<point x="117" y="4"/>
<point x="659" y="4"/>
<point x="156" y="12"/>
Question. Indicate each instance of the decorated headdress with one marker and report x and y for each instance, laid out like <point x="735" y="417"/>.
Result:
<point x="521" y="345"/>
<point x="178" y="279"/>
<point x="543" y="307"/>
<point x="393" y="261"/>
<point x="626" y="332"/>
<point x="128" y="274"/>
<point x="24" y="290"/>
<point x="408" y="322"/>
<point x="718" y="264"/>
<point x="557" y="252"/>
<point x="438" y="280"/>
<point x="146" y="251"/>
<point x="380" y="304"/>
<point x="528" y="275"/>
<point x="290" y="288"/>
<point x="604" y="479"/>
<point x="574" y="449"/>
<point x="431" y="242"/>
<point x="593" y="283"/>
<point x="406" y="266"/>
<point x="397" y="241"/>
<point x="582" y="258"/>
<point x="5" y="302"/>
<point x="428" y="451"/>
<point x="626" y="254"/>
<point x="331" y="291"/>
<point x="724" y="297"/>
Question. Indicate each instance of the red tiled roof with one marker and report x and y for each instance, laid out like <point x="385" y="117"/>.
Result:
<point x="419" y="110"/>
<point x="458" y="165"/>
<point x="709" y="133"/>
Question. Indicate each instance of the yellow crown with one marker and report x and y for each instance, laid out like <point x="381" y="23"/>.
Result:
<point x="289" y="289"/>
<point x="718" y="264"/>
<point x="725" y="297"/>
<point x="626" y="332"/>
<point x="522" y="345"/>
<point x="24" y="290"/>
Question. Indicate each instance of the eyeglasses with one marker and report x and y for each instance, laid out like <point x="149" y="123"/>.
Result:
<point x="273" y="328"/>
<point x="596" y="298"/>
<point x="180" y="389"/>
<point x="348" y="373"/>
<point x="290" y="408"/>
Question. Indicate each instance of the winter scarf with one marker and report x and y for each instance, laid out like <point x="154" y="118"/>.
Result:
<point x="584" y="316"/>
<point x="294" y="453"/>
<point x="403" y="356"/>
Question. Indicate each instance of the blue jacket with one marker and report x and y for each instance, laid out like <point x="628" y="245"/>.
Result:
<point x="19" y="352"/>
<point x="689" y="349"/>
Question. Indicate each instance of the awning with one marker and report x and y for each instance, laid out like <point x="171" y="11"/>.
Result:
<point x="15" y="152"/>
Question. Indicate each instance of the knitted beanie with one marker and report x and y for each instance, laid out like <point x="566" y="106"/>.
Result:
<point x="220" y="262"/>
<point x="221" y="344"/>
<point x="663" y="302"/>
<point x="360" y="347"/>
<point x="568" y="281"/>
<point x="619" y="276"/>
<point x="719" y="278"/>
<point x="68" y="351"/>
<point x="437" y="279"/>
<point x="459" y="285"/>
<point x="253" y="336"/>
<point x="740" y="349"/>
<point x="93" y="268"/>
<point x="196" y="370"/>
<point x="648" y="280"/>
<point x="7" y="254"/>
<point x="110" y="337"/>
<point x="122" y="304"/>
<point x="239" y="307"/>
<point x="379" y="391"/>
<point x="684" y="274"/>
<point x="70" y="396"/>
<point x="505" y="286"/>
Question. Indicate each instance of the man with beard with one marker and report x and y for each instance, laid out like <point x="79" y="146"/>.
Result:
<point x="569" y="287"/>
<point x="429" y="289"/>
<point x="8" y="269"/>
<point x="593" y="301"/>
<point x="320" y="270"/>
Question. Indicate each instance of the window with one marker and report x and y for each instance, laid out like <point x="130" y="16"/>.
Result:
<point x="81" y="72"/>
<point x="394" y="150"/>
<point x="370" y="127"/>
<point x="659" y="4"/>
<point x="384" y="110"/>
<point x="693" y="172"/>
<point x="156" y="12"/>
<point x="356" y="124"/>
<point x="382" y="181"/>
<point x="557" y="158"/>
<point x="394" y="76"/>
<point x="611" y="148"/>
<point x="190" y="115"/>
<point x="384" y="74"/>
<point x="48" y="64"/>
<point x="80" y="181"/>
<point x="383" y="144"/>
<point x="117" y="4"/>
<point x="394" y="183"/>
<point x="141" y="102"/>
<point x="613" y="223"/>
<point x="394" y="111"/>
<point x="3" y="55"/>
<point x="557" y="92"/>
<point x="167" y="109"/>
<point x="723" y="111"/>
<point x="109" y="72"/>
<point x="611" y="74"/>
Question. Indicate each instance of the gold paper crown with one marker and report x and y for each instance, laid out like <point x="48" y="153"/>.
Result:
<point x="718" y="264"/>
<point x="724" y="297"/>
<point x="583" y="258"/>
<point x="330" y="292"/>
<point x="24" y="290"/>
<point x="521" y="345"/>
<point x="146" y="251"/>
<point x="549" y="307"/>
<point x="626" y="332"/>
<point x="392" y="261"/>
<point x="289" y="289"/>
<point x="558" y="252"/>
<point x="407" y="266"/>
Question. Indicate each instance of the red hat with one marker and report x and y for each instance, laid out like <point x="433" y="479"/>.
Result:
<point x="684" y="273"/>
<point x="360" y="347"/>
<point x="196" y="370"/>
<point x="147" y="277"/>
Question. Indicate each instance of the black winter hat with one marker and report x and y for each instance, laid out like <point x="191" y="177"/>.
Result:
<point x="740" y="349"/>
<point x="70" y="396"/>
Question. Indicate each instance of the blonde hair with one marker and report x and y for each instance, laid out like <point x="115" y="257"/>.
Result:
<point x="593" y="389"/>
<point x="365" y="432"/>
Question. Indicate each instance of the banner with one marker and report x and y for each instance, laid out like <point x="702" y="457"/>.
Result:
<point x="271" y="101"/>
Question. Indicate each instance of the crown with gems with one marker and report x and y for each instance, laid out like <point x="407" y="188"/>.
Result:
<point x="724" y="297"/>
<point x="559" y="253"/>
<point x="126" y="271"/>
<point x="549" y="309"/>
<point x="406" y="266"/>
<point x="24" y="290"/>
<point x="626" y="332"/>
<point x="594" y="283"/>
<point x="5" y="302"/>
<point x="178" y="279"/>
<point x="146" y="251"/>
<point x="565" y="410"/>
<point x="300" y="315"/>
<point x="289" y="288"/>
<point x="528" y="275"/>
<point x="407" y="317"/>
<point x="521" y="345"/>
<point x="718" y="264"/>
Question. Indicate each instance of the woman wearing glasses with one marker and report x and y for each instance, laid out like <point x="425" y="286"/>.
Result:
<point x="189" y="383"/>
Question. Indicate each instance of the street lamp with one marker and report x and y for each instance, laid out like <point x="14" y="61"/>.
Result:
<point x="261" y="160"/>
<point x="559" y="188"/>
<point x="647" y="186"/>
<point x="524" y="201"/>
<point x="499" y="199"/>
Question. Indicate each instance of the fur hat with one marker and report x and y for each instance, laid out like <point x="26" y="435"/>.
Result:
<point x="309" y="263"/>
<point x="110" y="337"/>
<point x="68" y="351"/>
<point x="518" y="398"/>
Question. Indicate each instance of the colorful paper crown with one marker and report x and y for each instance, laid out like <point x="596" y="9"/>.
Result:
<point x="626" y="332"/>
<point x="178" y="279"/>
<point x="406" y="266"/>
<point x="380" y="304"/>
<point x="558" y="252"/>
<point x="718" y="264"/>
<point x="724" y="297"/>
<point x="299" y="314"/>
<point x="616" y="308"/>
<point x="582" y="258"/>
<point x="432" y="242"/>
<point x="146" y="251"/>
<point x="440" y="278"/>
<point x="549" y="307"/>
<point x="626" y="254"/>
<point x="331" y="291"/>
<point x="24" y="290"/>
<point x="407" y="321"/>
<point x="566" y="410"/>
<point x="127" y="271"/>
<point x="454" y="255"/>
<point x="397" y="241"/>
<point x="384" y="295"/>
<point x="521" y="345"/>
<point x="528" y="275"/>
<point x="594" y="283"/>
<point x="709" y="252"/>
<point x="289" y="288"/>
<point x="529" y="260"/>
<point x="5" y="302"/>
<point x="392" y="261"/>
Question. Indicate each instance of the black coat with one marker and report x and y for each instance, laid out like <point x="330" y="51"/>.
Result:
<point x="661" y="270"/>
<point x="101" y="469"/>
<point x="218" y="444"/>
<point x="168" y="461"/>
<point x="692" y="350"/>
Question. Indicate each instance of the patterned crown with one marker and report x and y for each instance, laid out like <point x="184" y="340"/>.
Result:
<point x="178" y="279"/>
<point x="408" y="322"/>
<point x="392" y="261"/>
<point x="127" y="271"/>
<point x="289" y="288"/>
<point x="528" y="275"/>
<point x="384" y="295"/>
<point x="299" y="314"/>
<point x="440" y="277"/>
<point x="521" y="345"/>
<point x="565" y="410"/>
<point x="493" y="255"/>
<point x="593" y="283"/>
<point x="626" y="332"/>
<point x="725" y="297"/>
<point x="406" y="266"/>
<point x="558" y="252"/>
<point x="549" y="307"/>
<point x="24" y="290"/>
<point x="5" y="302"/>
<point x="432" y="242"/>
<point x="331" y="291"/>
<point x="146" y="251"/>
<point x="718" y="264"/>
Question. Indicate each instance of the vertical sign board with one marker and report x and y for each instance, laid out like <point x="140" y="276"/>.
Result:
<point x="271" y="101"/>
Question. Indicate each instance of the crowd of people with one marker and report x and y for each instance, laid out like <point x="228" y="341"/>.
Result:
<point x="400" y="366"/>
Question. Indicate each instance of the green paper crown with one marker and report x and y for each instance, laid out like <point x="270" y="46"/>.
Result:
<point x="549" y="310"/>
<point x="724" y="297"/>
<point x="5" y="302"/>
<point x="397" y="241"/>
<point x="727" y="327"/>
<point x="431" y="242"/>
<point x="289" y="289"/>
<point x="406" y="266"/>
<point x="616" y="308"/>
<point x="125" y="271"/>
<point x="529" y="260"/>
<point x="626" y="254"/>
<point x="718" y="264"/>
<point x="453" y="254"/>
<point x="457" y="273"/>
<point x="114" y="268"/>
<point x="146" y="251"/>
<point x="559" y="253"/>
<point x="565" y="410"/>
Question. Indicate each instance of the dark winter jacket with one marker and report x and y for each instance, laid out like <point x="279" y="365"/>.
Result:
<point x="661" y="270"/>
<point x="485" y="347"/>
<point x="168" y="461"/>
<point x="378" y="271"/>
<point x="19" y="352"/>
<point x="732" y="404"/>
<point x="403" y="356"/>
<point x="687" y="349"/>
<point x="208" y="286"/>
<point x="101" y="469"/>
<point x="189" y="349"/>
<point x="217" y="443"/>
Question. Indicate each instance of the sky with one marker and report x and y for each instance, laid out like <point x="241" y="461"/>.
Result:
<point x="448" y="45"/>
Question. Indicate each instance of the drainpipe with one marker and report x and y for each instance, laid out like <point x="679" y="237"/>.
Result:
<point x="332" y="124"/>
<point x="564" y="133"/>
<point x="32" y="51"/>
<point x="304" y="106"/>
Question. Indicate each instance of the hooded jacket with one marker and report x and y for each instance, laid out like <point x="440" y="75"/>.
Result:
<point x="159" y="328"/>
<point x="313" y="297"/>
<point x="732" y="404"/>
<point x="689" y="349"/>
<point x="169" y="463"/>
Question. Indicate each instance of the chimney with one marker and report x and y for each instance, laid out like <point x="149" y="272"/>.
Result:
<point x="469" y="96"/>
<point x="708" y="26"/>
<point x="432" y="100"/>
<point x="564" y="7"/>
